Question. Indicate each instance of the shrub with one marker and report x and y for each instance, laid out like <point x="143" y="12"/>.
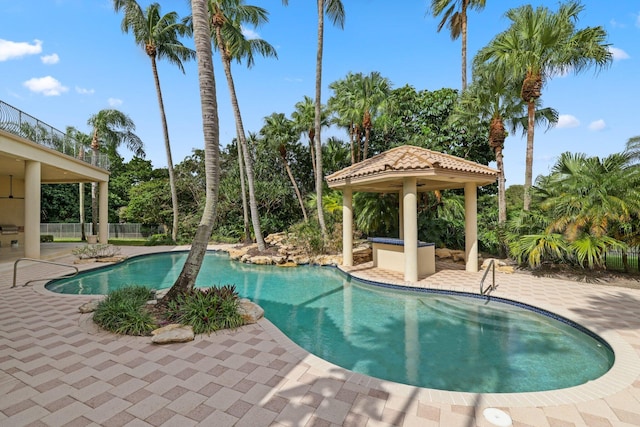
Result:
<point x="44" y="238"/>
<point x="206" y="310"/>
<point x="159" y="239"/>
<point x="124" y="312"/>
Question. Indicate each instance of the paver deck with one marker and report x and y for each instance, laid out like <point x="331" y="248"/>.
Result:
<point x="57" y="369"/>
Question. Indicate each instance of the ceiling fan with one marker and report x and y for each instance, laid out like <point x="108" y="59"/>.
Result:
<point x="11" y="196"/>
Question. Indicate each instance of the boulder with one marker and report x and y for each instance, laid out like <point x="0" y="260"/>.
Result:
<point x="261" y="260"/>
<point x="89" y="307"/>
<point x="300" y="259"/>
<point x="288" y="264"/>
<point x="172" y="333"/>
<point x="443" y="253"/>
<point x="458" y="256"/>
<point x="250" y="312"/>
<point x="327" y="260"/>
<point x="277" y="259"/>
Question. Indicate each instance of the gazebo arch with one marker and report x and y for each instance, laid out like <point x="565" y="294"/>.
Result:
<point x="408" y="170"/>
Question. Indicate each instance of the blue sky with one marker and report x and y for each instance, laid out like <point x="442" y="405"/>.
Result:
<point x="64" y="60"/>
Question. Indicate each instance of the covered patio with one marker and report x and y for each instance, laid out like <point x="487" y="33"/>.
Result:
<point x="407" y="171"/>
<point x="31" y="154"/>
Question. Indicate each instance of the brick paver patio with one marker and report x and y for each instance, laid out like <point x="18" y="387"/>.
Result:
<point x="57" y="369"/>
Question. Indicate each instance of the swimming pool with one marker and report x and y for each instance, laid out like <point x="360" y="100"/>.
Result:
<point x="434" y="340"/>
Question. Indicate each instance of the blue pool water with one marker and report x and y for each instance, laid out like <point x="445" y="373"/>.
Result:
<point x="433" y="340"/>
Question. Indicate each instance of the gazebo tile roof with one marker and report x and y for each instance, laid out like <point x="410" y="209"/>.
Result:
<point x="410" y="158"/>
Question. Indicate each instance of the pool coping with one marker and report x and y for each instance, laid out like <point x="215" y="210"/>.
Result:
<point x="623" y="373"/>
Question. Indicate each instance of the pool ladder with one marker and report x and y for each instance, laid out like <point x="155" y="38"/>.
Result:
<point x="15" y="270"/>
<point x="492" y="266"/>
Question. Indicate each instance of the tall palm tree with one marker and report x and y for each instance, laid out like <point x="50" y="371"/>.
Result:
<point x="227" y="18"/>
<point x="493" y="98"/>
<point x="538" y="45"/>
<point x="159" y="36"/>
<point x="346" y="115"/>
<point x="335" y="11"/>
<point x="211" y="131"/>
<point x="279" y="133"/>
<point x="454" y="15"/>
<point x="633" y="147"/>
<point x="111" y="128"/>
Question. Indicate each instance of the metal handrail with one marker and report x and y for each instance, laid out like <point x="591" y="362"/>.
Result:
<point x="66" y="276"/>
<point x="492" y="266"/>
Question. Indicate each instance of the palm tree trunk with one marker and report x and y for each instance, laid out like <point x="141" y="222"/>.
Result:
<point x="167" y="147"/>
<point x="210" y="126"/>
<point x="502" y="202"/>
<point x="245" y="205"/>
<point x="242" y="140"/>
<point x="463" y="29"/>
<point x="297" y="190"/>
<point x="318" y="122"/>
<point x="528" y="172"/>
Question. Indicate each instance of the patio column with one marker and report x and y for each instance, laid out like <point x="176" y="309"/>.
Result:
<point x="471" y="226"/>
<point x="347" y="227"/>
<point x="32" y="176"/>
<point x="410" y="218"/>
<point x="103" y="212"/>
<point x="400" y="217"/>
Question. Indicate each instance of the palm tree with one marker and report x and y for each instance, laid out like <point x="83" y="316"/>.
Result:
<point x="82" y="142"/>
<point x="493" y="98"/>
<point x="538" y="45"/>
<point x="227" y="17"/>
<point x="304" y="122"/>
<point x="454" y="15"/>
<point x="360" y="99"/>
<point x="279" y="133"/>
<point x="158" y="35"/>
<point x="633" y="147"/>
<point x="335" y="11"/>
<point x="110" y="129"/>
<point x="211" y="131"/>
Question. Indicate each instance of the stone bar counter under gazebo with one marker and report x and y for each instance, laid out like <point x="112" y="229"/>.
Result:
<point x="408" y="170"/>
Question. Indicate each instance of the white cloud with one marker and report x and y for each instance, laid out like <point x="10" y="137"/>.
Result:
<point x="249" y="34"/>
<point x="114" y="102"/>
<point x="597" y="125"/>
<point x="566" y="121"/>
<point x="12" y="50"/>
<point x="48" y="86"/>
<point x="50" y="59"/>
<point x="616" y="24"/>
<point x="618" y="54"/>
<point x="83" y="91"/>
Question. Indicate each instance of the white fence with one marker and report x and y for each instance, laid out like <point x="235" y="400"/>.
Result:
<point x="116" y="231"/>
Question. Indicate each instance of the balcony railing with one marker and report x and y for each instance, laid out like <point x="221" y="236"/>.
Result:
<point x="22" y="124"/>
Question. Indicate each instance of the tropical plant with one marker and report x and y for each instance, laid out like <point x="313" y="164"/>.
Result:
<point x="207" y="310"/>
<point x="541" y="44"/>
<point x="159" y="36"/>
<point x="454" y="16"/>
<point x="211" y="131"/>
<point x="358" y="100"/>
<point x="110" y="129"/>
<point x="304" y="122"/>
<point x="227" y="18"/>
<point x="279" y="132"/>
<point x="123" y="312"/>
<point x="493" y="98"/>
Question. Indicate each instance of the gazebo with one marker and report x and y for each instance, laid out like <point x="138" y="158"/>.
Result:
<point x="408" y="170"/>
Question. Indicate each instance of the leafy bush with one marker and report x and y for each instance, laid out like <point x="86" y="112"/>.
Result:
<point x="207" y="310"/>
<point x="159" y="240"/>
<point x="124" y="312"/>
<point x="307" y="236"/>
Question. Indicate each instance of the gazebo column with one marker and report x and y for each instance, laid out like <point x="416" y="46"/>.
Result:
<point x="347" y="227"/>
<point x="471" y="226"/>
<point x="103" y="211"/>
<point x="400" y="217"/>
<point x="410" y="218"/>
<point x="32" y="177"/>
